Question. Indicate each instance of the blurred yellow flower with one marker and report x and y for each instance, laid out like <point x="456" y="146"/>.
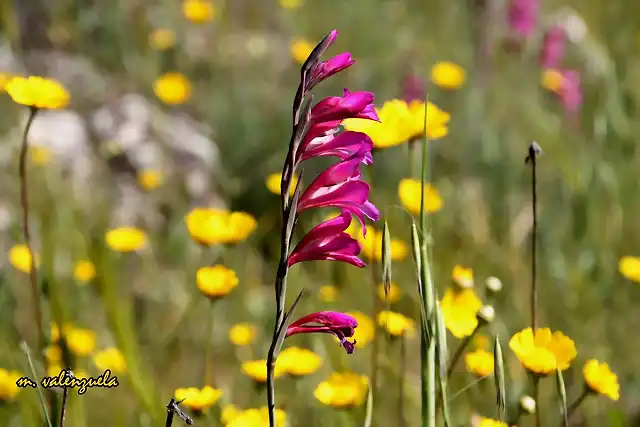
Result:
<point x="20" y="258"/>
<point x="242" y="334"/>
<point x="409" y="191"/>
<point x="629" y="267"/>
<point x="217" y="281"/>
<point x="81" y="342"/>
<point x="480" y="342"/>
<point x="290" y="4"/>
<point x="552" y="80"/>
<point x="162" y="39"/>
<point x="462" y="276"/>
<point x="8" y="387"/>
<point x="84" y="271"/>
<point x="110" y="358"/>
<point x="300" y="50"/>
<point x="448" y="75"/>
<point x="172" y="88"/>
<point x="257" y="370"/>
<point x="479" y="362"/>
<point x="396" y="324"/>
<point x="198" y="11"/>
<point x="543" y="352"/>
<point x="298" y="361"/>
<point x="401" y="122"/>
<point x="365" y="331"/>
<point x="4" y="79"/>
<point x="372" y="244"/>
<point x="256" y="418"/>
<point x="209" y="226"/>
<point x="228" y="413"/>
<point x="39" y="155"/>
<point x="37" y="92"/>
<point x="393" y="295"/>
<point x="273" y="183"/>
<point x="53" y="354"/>
<point x="488" y="422"/>
<point x="328" y="293"/>
<point x="600" y="379"/>
<point x="150" y="179"/>
<point x="126" y="239"/>
<point x="198" y="399"/>
<point x="343" y="390"/>
<point x="459" y="309"/>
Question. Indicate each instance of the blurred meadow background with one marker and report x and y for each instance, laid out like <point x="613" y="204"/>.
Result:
<point x="179" y="105"/>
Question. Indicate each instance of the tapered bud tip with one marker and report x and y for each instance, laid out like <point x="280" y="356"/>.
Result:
<point x="486" y="314"/>
<point x="493" y="284"/>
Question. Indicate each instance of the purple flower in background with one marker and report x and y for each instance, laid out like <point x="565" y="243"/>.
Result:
<point x="329" y="241"/>
<point x="522" y="16"/>
<point x="340" y="186"/>
<point x="339" y="324"/>
<point x="571" y="91"/>
<point x="413" y="89"/>
<point x="552" y="50"/>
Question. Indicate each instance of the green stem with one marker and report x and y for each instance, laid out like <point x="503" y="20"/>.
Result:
<point x="575" y="405"/>
<point x="401" y="379"/>
<point x="536" y="395"/>
<point x="209" y="346"/>
<point x="463" y="345"/>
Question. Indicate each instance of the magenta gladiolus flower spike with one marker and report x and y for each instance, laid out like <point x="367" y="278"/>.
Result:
<point x="328" y="68"/>
<point x="339" y="324"/>
<point x="344" y="146"/>
<point x="523" y="16"/>
<point x="329" y="241"/>
<point x="357" y="105"/>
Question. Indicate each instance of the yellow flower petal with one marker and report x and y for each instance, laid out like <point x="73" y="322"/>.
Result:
<point x="448" y="75"/>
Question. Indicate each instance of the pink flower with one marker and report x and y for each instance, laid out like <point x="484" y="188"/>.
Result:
<point x="339" y="324"/>
<point x="344" y="146"/>
<point x="523" y="16"/>
<point x="571" y="91"/>
<point x="328" y="68"/>
<point x="552" y="50"/>
<point x="413" y="89"/>
<point x="328" y="241"/>
<point x="357" y="105"/>
<point x="340" y="186"/>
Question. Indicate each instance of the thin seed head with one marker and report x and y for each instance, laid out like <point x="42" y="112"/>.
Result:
<point x="386" y="259"/>
<point x="534" y="152"/>
<point x="501" y="394"/>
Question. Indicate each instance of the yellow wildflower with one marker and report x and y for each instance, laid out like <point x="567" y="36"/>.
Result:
<point x="290" y="4"/>
<point x="150" y="179"/>
<point x="172" y="88"/>
<point x="365" y="331"/>
<point x="273" y="183"/>
<point x="479" y="362"/>
<point x="543" y="352"/>
<point x="409" y="191"/>
<point x="38" y="92"/>
<point x="126" y="239"/>
<point x="552" y="80"/>
<point x="53" y="354"/>
<point x="110" y="358"/>
<point x="393" y="295"/>
<point x="459" y="309"/>
<point x="162" y="39"/>
<point x="198" y="11"/>
<point x="343" y="390"/>
<point x="242" y="334"/>
<point x="20" y="258"/>
<point x="257" y="370"/>
<point x="629" y="267"/>
<point x="4" y="79"/>
<point x="298" y="361"/>
<point x="600" y="379"/>
<point x="81" y="342"/>
<point x="462" y="276"/>
<point x="401" y="122"/>
<point x="328" y="293"/>
<point x="300" y="50"/>
<point x="488" y="422"/>
<point x="198" y="399"/>
<point x="209" y="226"/>
<point x="229" y="413"/>
<point x="217" y="281"/>
<point x="256" y="418"/>
<point x="84" y="271"/>
<point x="39" y="155"/>
<point x="372" y="244"/>
<point x="8" y="387"/>
<point x="396" y="324"/>
<point x="448" y="75"/>
<point x="480" y="342"/>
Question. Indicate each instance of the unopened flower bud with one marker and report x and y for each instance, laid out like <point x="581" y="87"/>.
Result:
<point x="486" y="314"/>
<point x="493" y="284"/>
<point x="527" y="404"/>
